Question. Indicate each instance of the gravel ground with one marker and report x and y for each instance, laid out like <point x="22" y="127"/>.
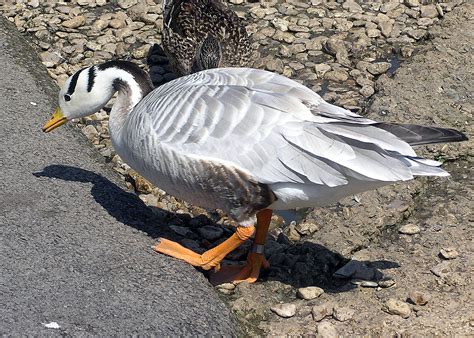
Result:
<point x="396" y="260"/>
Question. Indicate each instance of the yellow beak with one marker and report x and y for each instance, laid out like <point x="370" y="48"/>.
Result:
<point x="55" y="121"/>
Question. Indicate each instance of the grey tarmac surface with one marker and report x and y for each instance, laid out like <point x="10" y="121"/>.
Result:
<point x="75" y="247"/>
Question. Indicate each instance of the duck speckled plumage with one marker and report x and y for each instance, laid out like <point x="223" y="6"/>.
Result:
<point x="203" y="34"/>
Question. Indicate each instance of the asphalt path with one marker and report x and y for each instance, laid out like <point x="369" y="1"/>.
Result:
<point x="75" y="246"/>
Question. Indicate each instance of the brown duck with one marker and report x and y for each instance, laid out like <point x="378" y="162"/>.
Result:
<point x="203" y="34"/>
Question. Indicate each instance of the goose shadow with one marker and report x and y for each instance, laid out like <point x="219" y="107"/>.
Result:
<point x="299" y="265"/>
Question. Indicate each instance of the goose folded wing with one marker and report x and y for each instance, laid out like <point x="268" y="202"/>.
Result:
<point x="273" y="128"/>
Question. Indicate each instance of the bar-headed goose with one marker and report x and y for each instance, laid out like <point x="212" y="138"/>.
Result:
<point x="246" y="141"/>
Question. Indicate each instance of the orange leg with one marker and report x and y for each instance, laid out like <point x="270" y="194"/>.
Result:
<point x="211" y="258"/>
<point x="255" y="260"/>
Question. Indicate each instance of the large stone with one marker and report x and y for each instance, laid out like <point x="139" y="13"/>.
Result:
<point x="352" y="6"/>
<point x="378" y="68"/>
<point x="397" y="307"/>
<point x="429" y="11"/>
<point x="322" y="311"/>
<point x="310" y="292"/>
<point x="284" y="310"/>
<point x="418" y="298"/>
<point x="50" y="59"/>
<point x="409" y="229"/>
<point x="75" y="22"/>
<point x="448" y="253"/>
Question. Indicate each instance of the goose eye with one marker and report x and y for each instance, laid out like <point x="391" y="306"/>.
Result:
<point x="67" y="97"/>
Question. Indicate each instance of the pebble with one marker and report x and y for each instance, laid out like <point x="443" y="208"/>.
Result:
<point x="378" y="68"/>
<point x="429" y="11"/>
<point x="343" y="314"/>
<point x="284" y="310"/>
<point x="442" y="269"/>
<point x="50" y="59"/>
<point x="387" y="283"/>
<point x="90" y="132"/>
<point x="210" y="232"/>
<point x="310" y="292"/>
<point x="448" y="253"/>
<point x="355" y="269"/>
<point x="327" y="330"/>
<point x="75" y="22"/>
<point x="226" y="288"/>
<point x="418" y="298"/>
<point x="409" y="229"/>
<point x="397" y="307"/>
<point x="322" y="311"/>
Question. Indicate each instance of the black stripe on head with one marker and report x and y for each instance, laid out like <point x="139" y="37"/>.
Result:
<point x="142" y="78"/>
<point x="73" y="83"/>
<point x="90" y="82"/>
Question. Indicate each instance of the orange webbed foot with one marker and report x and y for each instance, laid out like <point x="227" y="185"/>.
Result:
<point x="241" y="273"/>
<point x="211" y="258"/>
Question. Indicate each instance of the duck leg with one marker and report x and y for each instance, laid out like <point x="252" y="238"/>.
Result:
<point x="255" y="259"/>
<point x="211" y="258"/>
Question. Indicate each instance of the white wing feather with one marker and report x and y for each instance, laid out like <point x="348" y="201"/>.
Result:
<point x="273" y="128"/>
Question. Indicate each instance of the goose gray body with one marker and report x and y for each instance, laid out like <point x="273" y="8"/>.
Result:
<point x="243" y="140"/>
<point x="203" y="34"/>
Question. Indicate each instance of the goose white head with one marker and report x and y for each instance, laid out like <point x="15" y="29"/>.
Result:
<point x="89" y="89"/>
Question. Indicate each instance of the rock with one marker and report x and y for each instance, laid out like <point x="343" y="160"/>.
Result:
<point x="180" y="230"/>
<point x="440" y="10"/>
<point x="124" y="4"/>
<point x="378" y="68"/>
<point x="99" y="25"/>
<point x="334" y="45"/>
<point x="321" y="69"/>
<point x="50" y="59"/>
<point x="117" y="23"/>
<point x="322" y="311"/>
<point x="352" y="6"/>
<point x="355" y="269"/>
<point x="367" y="91"/>
<point x="284" y="310"/>
<point x="429" y="11"/>
<point x="397" y="307"/>
<point x="412" y="3"/>
<point x="387" y="283"/>
<point x="310" y="292"/>
<point x="386" y="27"/>
<point x="409" y="229"/>
<point x="291" y="232"/>
<point x="406" y="51"/>
<point x="373" y="32"/>
<point x="210" y="232"/>
<point x="368" y="284"/>
<point x="343" y="314"/>
<point x="316" y="43"/>
<point x="418" y="298"/>
<point x="448" y="253"/>
<point x="416" y="34"/>
<point x="90" y="132"/>
<point x="327" y="330"/>
<point x="275" y="65"/>
<point x="307" y="228"/>
<point x="280" y="24"/>
<point x="226" y="288"/>
<point x="337" y="75"/>
<point x="389" y="6"/>
<point x="75" y="22"/>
